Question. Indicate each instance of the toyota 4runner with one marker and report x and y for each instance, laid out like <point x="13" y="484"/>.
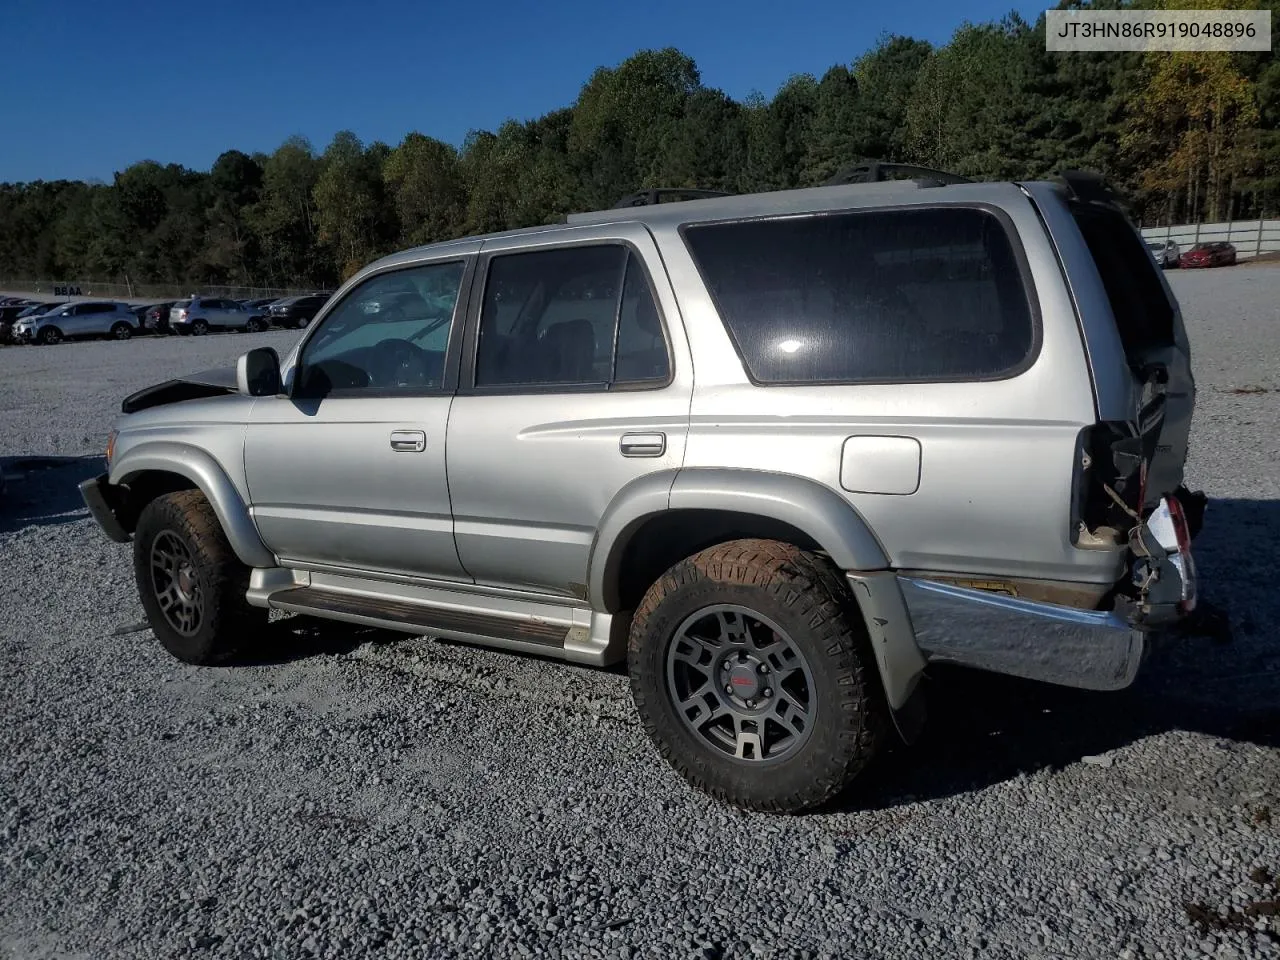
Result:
<point x="778" y="451"/>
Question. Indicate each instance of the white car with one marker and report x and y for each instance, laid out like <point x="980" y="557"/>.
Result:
<point x="1164" y="252"/>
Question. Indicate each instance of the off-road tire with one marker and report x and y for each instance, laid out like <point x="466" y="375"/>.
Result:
<point x="49" y="336"/>
<point x="805" y="596"/>
<point x="228" y="622"/>
<point x="121" y="331"/>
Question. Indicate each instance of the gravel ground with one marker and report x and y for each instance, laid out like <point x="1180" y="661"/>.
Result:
<point x="354" y="793"/>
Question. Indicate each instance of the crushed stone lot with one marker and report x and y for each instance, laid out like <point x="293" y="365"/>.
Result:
<point x="356" y="793"/>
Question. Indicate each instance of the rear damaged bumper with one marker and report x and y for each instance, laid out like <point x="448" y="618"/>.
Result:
<point x="1088" y="649"/>
<point x="1091" y="649"/>
<point x="103" y="501"/>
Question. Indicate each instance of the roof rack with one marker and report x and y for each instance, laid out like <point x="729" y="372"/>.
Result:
<point x="647" y="198"/>
<point x="874" y="171"/>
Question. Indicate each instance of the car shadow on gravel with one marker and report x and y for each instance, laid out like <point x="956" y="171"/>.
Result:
<point x="293" y="638"/>
<point x="984" y="729"/>
<point x="44" y="491"/>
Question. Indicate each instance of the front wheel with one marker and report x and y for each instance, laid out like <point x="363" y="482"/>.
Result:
<point x="256" y="325"/>
<point x="199" y="328"/>
<point x="49" y="336"/>
<point x="190" y="581"/>
<point x="753" y="675"/>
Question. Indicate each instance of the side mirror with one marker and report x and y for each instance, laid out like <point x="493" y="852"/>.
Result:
<point x="258" y="373"/>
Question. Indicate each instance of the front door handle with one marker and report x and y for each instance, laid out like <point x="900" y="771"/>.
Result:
<point x="408" y="441"/>
<point x="643" y="444"/>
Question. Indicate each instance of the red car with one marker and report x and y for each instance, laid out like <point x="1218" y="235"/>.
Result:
<point x="1218" y="254"/>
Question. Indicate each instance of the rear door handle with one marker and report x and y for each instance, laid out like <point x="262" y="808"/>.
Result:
<point x="643" y="444"/>
<point x="408" y="441"/>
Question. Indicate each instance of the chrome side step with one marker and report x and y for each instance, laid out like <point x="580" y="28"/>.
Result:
<point x="524" y="624"/>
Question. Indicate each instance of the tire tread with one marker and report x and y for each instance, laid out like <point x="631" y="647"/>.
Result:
<point x="808" y="586"/>
<point x="226" y="579"/>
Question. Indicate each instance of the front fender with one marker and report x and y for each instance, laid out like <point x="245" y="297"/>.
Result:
<point x="199" y="467"/>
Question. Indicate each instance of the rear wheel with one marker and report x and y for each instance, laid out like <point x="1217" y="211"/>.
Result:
<point x="121" y="331"/>
<point x="191" y="583"/>
<point x="199" y="328"/>
<point x="752" y="674"/>
<point x="256" y="325"/>
<point x="49" y="336"/>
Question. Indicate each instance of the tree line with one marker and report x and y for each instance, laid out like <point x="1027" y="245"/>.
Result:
<point x="1190" y="137"/>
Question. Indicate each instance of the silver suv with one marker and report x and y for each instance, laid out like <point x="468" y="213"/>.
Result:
<point x="199" y="315"/>
<point x="84" y="318"/>
<point x="779" y="451"/>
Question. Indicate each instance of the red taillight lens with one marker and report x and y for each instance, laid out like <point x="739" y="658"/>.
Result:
<point x="1183" y="534"/>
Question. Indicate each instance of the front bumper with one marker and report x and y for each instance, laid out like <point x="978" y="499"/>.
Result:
<point x="103" y="501"/>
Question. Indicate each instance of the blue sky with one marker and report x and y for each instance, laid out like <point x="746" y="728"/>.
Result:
<point x="88" y="87"/>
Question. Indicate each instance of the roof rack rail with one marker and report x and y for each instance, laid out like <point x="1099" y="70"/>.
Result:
<point x="646" y="198"/>
<point x="875" y="171"/>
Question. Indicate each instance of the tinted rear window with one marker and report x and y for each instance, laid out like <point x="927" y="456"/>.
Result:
<point x="1142" y="310"/>
<point x="886" y="295"/>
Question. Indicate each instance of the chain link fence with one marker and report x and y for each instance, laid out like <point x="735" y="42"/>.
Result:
<point x="65" y="289"/>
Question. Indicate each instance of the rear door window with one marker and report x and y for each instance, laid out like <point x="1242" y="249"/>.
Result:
<point x="923" y="294"/>
<point x="1144" y="315"/>
<point x="581" y="316"/>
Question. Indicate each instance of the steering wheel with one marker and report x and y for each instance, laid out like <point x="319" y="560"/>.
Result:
<point x="400" y="364"/>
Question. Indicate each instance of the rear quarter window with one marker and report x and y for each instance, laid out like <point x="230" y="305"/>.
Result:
<point x="1143" y="313"/>
<point x="924" y="294"/>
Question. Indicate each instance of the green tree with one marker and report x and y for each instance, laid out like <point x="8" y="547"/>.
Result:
<point x="885" y="76"/>
<point x="1190" y="129"/>
<point x="424" y="181"/>
<point x="348" y="201"/>
<point x="619" y="120"/>
<point x="284" y="219"/>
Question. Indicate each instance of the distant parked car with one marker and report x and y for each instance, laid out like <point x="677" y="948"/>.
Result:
<point x="156" y="319"/>
<point x="257" y="304"/>
<point x="32" y="310"/>
<point x="1164" y="252"/>
<point x="199" y="315"/>
<point x="85" y="318"/>
<point x="1216" y="254"/>
<point x="297" y="312"/>
<point x="9" y="313"/>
